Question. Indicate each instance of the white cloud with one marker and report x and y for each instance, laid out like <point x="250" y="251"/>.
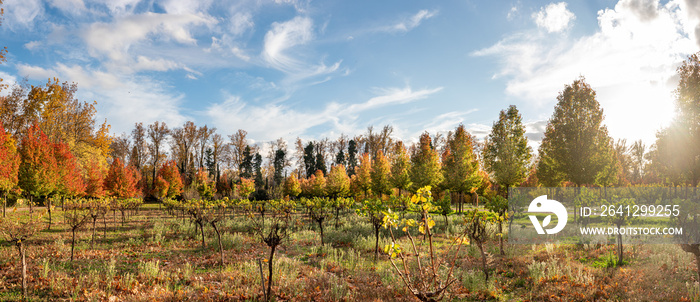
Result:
<point x="278" y="50"/>
<point x="115" y="39"/>
<point x="630" y="61"/>
<point x="31" y="45"/>
<point x="144" y="63"/>
<point x="555" y="17"/>
<point x="284" y="36"/>
<point x="392" y="96"/>
<point x="21" y="14"/>
<point x="179" y="7"/>
<point x="122" y="100"/>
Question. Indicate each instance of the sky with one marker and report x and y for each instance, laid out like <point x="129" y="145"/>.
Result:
<point x="315" y="69"/>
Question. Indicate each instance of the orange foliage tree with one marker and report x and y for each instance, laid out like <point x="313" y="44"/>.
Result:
<point x="38" y="171"/>
<point x="168" y="182"/>
<point x="10" y="167"/>
<point x="121" y="180"/>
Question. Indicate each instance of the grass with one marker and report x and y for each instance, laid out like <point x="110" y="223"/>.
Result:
<point x="155" y="256"/>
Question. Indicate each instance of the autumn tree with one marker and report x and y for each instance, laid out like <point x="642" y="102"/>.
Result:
<point x="400" y="168"/>
<point x="461" y="169"/>
<point x="291" y="186"/>
<point x="120" y="147"/>
<point x="157" y="133"/>
<point x="184" y="140"/>
<point x="338" y="182"/>
<point x="203" y="136"/>
<point x="66" y="119"/>
<point x="377" y="142"/>
<point x="138" y="155"/>
<point x="171" y="178"/>
<point x="363" y="174"/>
<point x="506" y="153"/>
<point x="239" y="142"/>
<point x="10" y="167"/>
<point x="38" y="171"/>
<point x="425" y="164"/>
<point x="69" y="179"/>
<point x="121" y="180"/>
<point x="219" y="148"/>
<point x="337" y="188"/>
<point x="576" y="146"/>
<point x="380" y="175"/>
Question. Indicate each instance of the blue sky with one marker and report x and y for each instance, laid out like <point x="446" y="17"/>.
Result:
<point x="315" y="69"/>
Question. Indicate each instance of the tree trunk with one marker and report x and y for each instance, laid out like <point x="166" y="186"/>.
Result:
<point x="269" y="271"/>
<point x="104" y="219"/>
<point x="48" y="207"/>
<point x="72" y="246"/>
<point x="22" y="253"/>
<point x="31" y="201"/>
<point x="460" y="199"/>
<point x="483" y="262"/>
<point x="201" y="229"/>
<point x="320" y="225"/>
<point x="92" y="242"/>
<point x="619" y="249"/>
<point x="4" y="202"/>
<point x="221" y="247"/>
<point x="376" y="242"/>
<point x="697" y="264"/>
<point x="500" y="230"/>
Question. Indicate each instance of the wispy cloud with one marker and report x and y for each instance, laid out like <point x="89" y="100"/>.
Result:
<point x="278" y="120"/>
<point x="409" y="23"/>
<point x="280" y="43"/>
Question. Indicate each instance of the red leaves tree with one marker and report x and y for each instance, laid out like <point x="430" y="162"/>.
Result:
<point x="121" y="180"/>
<point x="168" y="182"/>
<point x="94" y="177"/>
<point x="38" y="171"/>
<point x="70" y="182"/>
<point x="10" y="167"/>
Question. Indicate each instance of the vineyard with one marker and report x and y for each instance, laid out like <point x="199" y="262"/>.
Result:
<point x="185" y="213"/>
<point x="224" y="250"/>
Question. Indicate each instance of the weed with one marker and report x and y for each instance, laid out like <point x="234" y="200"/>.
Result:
<point x="149" y="270"/>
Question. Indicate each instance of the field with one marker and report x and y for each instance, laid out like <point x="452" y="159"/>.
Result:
<point x="157" y="255"/>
